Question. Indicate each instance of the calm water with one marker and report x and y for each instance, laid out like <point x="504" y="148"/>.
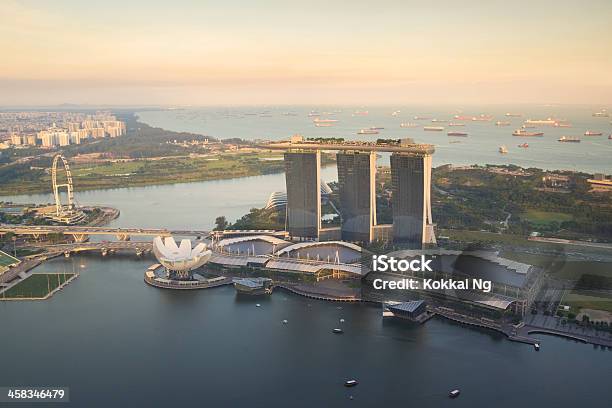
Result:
<point x="593" y="154"/>
<point x="118" y="342"/>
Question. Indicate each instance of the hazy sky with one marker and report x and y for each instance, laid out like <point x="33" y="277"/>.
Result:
<point x="275" y="52"/>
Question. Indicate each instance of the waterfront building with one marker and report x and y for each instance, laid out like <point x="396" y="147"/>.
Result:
<point x="514" y="285"/>
<point x="180" y="261"/>
<point x="411" y="186"/>
<point x="302" y="176"/>
<point x="357" y="192"/>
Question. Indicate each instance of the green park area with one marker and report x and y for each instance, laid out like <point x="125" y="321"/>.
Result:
<point x="545" y="217"/>
<point x="578" y="301"/>
<point x="37" y="286"/>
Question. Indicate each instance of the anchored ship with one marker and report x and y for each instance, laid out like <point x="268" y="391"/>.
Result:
<point x="569" y="139"/>
<point x="369" y="131"/>
<point x="462" y="134"/>
<point x="591" y="133"/>
<point x="524" y="133"/>
<point x="434" y="128"/>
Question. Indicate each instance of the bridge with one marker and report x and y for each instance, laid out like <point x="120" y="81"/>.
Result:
<point x="82" y="233"/>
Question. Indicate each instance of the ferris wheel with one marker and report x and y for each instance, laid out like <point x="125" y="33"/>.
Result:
<point x="59" y="208"/>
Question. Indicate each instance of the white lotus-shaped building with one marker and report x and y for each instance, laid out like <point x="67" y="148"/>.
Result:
<point x="181" y="258"/>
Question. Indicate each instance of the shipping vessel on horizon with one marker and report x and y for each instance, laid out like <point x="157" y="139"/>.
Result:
<point x="569" y="139"/>
<point x="524" y="133"/>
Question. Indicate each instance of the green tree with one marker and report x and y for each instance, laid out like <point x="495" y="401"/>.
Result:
<point x="221" y="223"/>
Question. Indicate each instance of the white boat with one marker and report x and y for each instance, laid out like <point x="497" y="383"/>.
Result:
<point x="433" y="128"/>
<point x="536" y="346"/>
<point x="503" y="149"/>
<point x="408" y="125"/>
<point x="454" y="393"/>
<point x="350" y="383"/>
<point x="337" y="331"/>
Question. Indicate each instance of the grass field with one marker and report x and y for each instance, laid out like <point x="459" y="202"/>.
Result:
<point x="545" y="217"/>
<point x="6" y="259"/>
<point x="37" y="286"/>
<point x="577" y="302"/>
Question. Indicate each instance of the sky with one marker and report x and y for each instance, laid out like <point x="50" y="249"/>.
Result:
<point x="309" y="52"/>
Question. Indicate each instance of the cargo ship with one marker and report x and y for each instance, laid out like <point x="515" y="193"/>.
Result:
<point x="368" y="132"/>
<point x="433" y="128"/>
<point x="324" y="124"/>
<point x="439" y="121"/>
<point x="422" y="117"/>
<point x="544" y="122"/>
<point x="254" y="286"/>
<point x="462" y="134"/>
<point x="408" y="125"/>
<point x="591" y="133"/>
<point x="482" y="118"/>
<point x="456" y="124"/>
<point x="514" y="115"/>
<point x="569" y="139"/>
<point x="502" y="123"/>
<point x="524" y="133"/>
<point x="319" y="120"/>
<point x="563" y="125"/>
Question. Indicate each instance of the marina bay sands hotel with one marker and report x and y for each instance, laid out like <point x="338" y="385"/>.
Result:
<point x="356" y="162"/>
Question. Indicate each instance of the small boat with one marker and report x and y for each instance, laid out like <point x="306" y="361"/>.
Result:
<point x="418" y="117"/>
<point x="591" y="133"/>
<point x="569" y="139"/>
<point x="536" y="346"/>
<point x="462" y="134"/>
<point x="258" y="305"/>
<point x="601" y="114"/>
<point x="433" y="128"/>
<point x="360" y="113"/>
<point x="610" y="137"/>
<point x="350" y="383"/>
<point x="324" y="124"/>
<point x="377" y="128"/>
<point x="285" y="321"/>
<point x="524" y="145"/>
<point x="454" y="394"/>
<point x="439" y="121"/>
<point x="337" y="331"/>
<point x="408" y="125"/>
<point x="456" y="124"/>
<point x="503" y="149"/>
<point x="502" y="123"/>
<point x="341" y="320"/>
<point x="514" y="115"/>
